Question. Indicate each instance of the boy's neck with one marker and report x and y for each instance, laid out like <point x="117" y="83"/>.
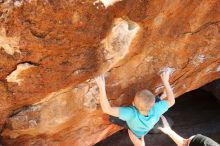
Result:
<point x="144" y="113"/>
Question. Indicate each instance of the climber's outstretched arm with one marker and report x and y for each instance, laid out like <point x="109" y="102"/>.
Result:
<point x="180" y="141"/>
<point x="106" y="107"/>
<point x="165" y="75"/>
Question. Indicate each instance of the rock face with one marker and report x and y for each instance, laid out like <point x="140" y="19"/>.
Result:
<point x="51" y="50"/>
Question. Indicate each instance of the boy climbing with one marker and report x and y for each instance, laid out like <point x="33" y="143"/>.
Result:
<point x="144" y="113"/>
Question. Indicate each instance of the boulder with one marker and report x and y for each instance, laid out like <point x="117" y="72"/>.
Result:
<point x="51" y="51"/>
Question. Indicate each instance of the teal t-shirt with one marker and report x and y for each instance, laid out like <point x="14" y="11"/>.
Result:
<point x="140" y="124"/>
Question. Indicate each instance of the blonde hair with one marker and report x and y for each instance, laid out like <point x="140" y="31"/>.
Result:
<point x="144" y="100"/>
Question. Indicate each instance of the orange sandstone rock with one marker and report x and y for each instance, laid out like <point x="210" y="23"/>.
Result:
<point x="51" y="51"/>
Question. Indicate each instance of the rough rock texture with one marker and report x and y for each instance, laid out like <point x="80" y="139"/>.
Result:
<point x="51" y="50"/>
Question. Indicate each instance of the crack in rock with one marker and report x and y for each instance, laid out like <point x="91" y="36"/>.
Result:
<point x="202" y="27"/>
<point x="27" y="117"/>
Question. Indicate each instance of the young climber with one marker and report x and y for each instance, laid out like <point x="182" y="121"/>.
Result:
<point x="144" y="113"/>
<point x="196" y="140"/>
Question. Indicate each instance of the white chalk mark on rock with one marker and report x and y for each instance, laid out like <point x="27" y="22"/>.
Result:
<point x="218" y="69"/>
<point x="199" y="59"/>
<point x="91" y="97"/>
<point x="106" y="3"/>
<point x="158" y="20"/>
<point x="119" y="40"/>
<point x="9" y="44"/>
<point x="184" y="85"/>
<point x="169" y="69"/>
<point x="18" y="3"/>
<point x="148" y="58"/>
<point x="14" y="76"/>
